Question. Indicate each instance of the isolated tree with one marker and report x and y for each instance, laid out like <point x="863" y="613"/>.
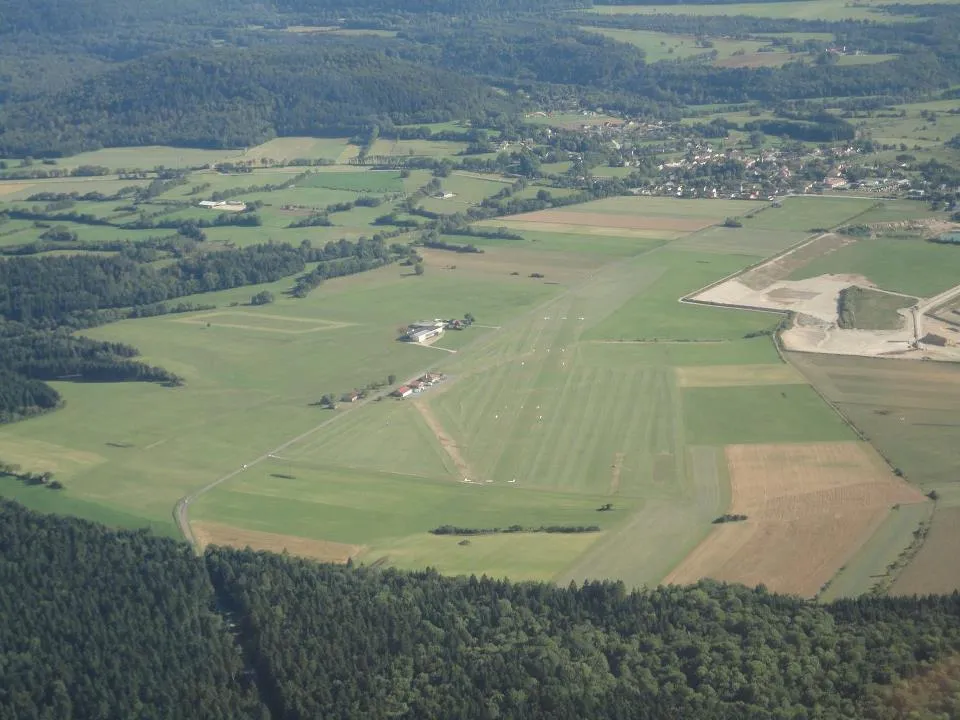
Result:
<point x="391" y="379"/>
<point x="264" y="297"/>
<point x="418" y="268"/>
<point x="469" y="318"/>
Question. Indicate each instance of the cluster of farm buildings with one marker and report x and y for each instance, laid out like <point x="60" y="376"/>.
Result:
<point x="418" y="385"/>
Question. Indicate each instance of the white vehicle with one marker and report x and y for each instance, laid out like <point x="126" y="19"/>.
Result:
<point x="244" y="467"/>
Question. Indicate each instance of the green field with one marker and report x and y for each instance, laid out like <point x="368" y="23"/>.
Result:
<point x="868" y="309"/>
<point x="668" y="46"/>
<point x="761" y="414"/>
<point x="360" y="181"/>
<point x="805" y="214"/>
<point x="657" y="314"/>
<point x="901" y="264"/>
<point x="802" y="9"/>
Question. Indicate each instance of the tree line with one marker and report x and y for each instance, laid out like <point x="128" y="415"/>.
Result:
<point x="120" y="624"/>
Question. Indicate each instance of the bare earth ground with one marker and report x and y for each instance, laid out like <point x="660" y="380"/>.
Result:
<point x="935" y="568"/>
<point x="210" y="533"/>
<point x="737" y="375"/>
<point x="611" y="220"/>
<point x="809" y="508"/>
<point x="814" y="304"/>
<point x="783" y="266"/>
<point x="447" y="442"/>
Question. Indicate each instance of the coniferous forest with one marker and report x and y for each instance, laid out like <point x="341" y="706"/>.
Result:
<point x="120" y="624"/>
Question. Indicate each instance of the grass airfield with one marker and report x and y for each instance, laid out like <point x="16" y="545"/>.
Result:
<point x="588" y="386"/>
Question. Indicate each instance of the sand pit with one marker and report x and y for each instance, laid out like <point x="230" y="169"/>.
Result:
<point x="616" y="220"/>
<point x="738" y="375"/>
<point x="809" y="508"/>
<point x="210" y="533"/>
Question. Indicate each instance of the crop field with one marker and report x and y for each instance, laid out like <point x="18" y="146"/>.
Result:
<point x="934" y="569"/>
<point x="808" y="508"/>
<point x="871" y="565"/>
<point x="908" y="411"/>
<point x="898" y="263"/>
<point x="802" y="9"/>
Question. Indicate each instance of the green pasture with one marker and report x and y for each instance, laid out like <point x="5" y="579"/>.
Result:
<point x="897" y="211"/>
<point x="607" y="246"/>
<point x="913" y="128"/>
<point x="11" y="190"/>
<point x="904" y="264"/>
<point x="391" y="516"/>
<point x="666" y="207"/>
<point x="760" y="414"/>
<point x="655" y="313"/>
<point x="865" y="59"/>
<point x="800" y="9"/>
<point x="149" y="157"/>
<point x="871" y="562"/>
<point x="739" y="241"/>
<point x="364" y="181"/>
<point x="868" y="309"/>
<point x="293" y="148"/>
<point x="45" y="500"/>
<point x="429" y="148"/>
<point x="803" y="214"/>
<point x="754" y="351"/>
<point x="669" y="46"/>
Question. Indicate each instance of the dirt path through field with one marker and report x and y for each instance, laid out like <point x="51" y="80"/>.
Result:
<point x="447" y="442"/>
<point x="615" y="474"/>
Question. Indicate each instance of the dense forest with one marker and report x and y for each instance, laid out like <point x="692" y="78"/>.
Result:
<point x="125" y="624"/>
<point x="225" y="74"/>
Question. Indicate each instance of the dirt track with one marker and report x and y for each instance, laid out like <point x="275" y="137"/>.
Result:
<point x="447" y="442"/>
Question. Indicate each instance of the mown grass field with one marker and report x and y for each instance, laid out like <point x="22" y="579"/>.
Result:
<point x="904" y="264"/>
